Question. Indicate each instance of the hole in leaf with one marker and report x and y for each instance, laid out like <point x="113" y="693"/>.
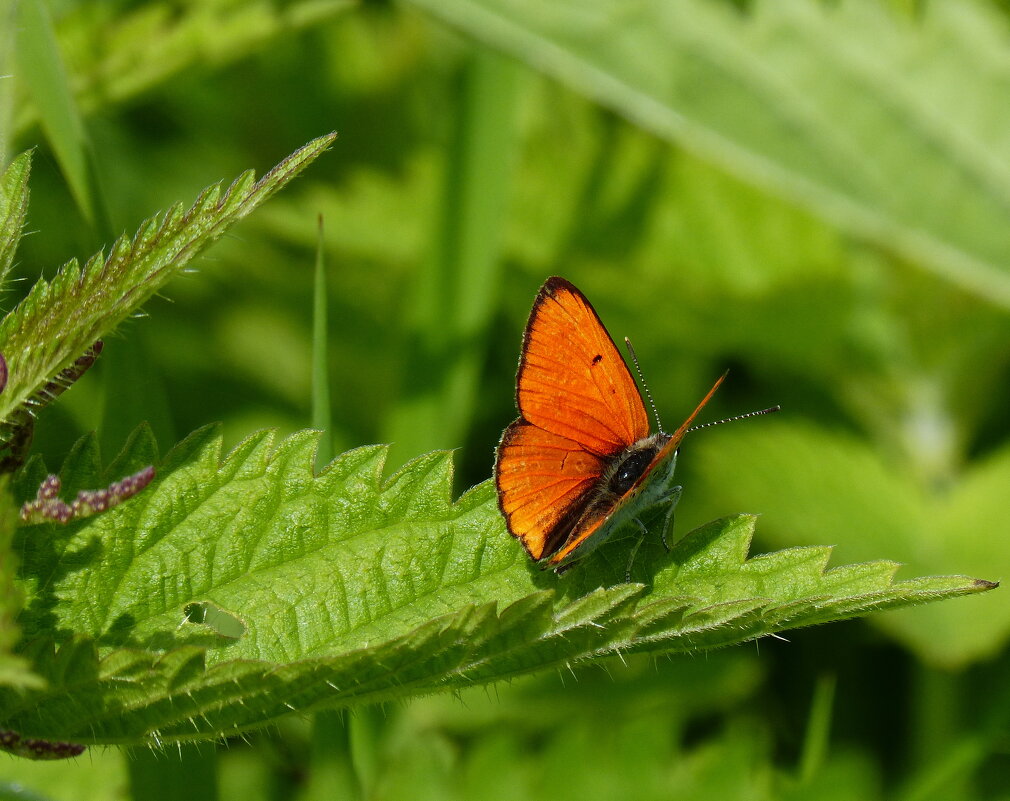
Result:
<point x="209" y="614"/>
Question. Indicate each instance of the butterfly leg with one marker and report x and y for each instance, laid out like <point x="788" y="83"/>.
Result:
<point x="671" y="498"/>
<point x="634" y="551"/>
<point x="666" y="527"/>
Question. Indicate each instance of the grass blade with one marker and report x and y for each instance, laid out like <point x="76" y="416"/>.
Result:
<point x="456" y="290"/>
<point x="41" y="69"/>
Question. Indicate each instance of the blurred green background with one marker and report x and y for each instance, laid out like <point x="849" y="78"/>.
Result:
<point x="813" y="195"/>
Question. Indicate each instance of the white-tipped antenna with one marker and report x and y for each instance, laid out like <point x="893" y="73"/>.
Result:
<point x="638" y="369"/>
<point x="734" y="419"/>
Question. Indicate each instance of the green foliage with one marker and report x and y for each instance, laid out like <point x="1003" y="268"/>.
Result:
<point x="835" y="108"/>
<point x="352" y="588"/>
<point x="13" y="208"/>
<point x="836" y="178"/>
<point x="42" y="72"/>
<point x="806" y="479"/>
<point x="60" y="319"/>
<point x="100" y="776"/>
<point x="117" y="56"/>
<point x="452" y="307"/>
<point x="14" y="671"/>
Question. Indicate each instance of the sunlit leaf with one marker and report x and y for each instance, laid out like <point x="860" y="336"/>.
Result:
<point x="885" y="128"/>
<point x="813" y="485"/>
<point x="352" y="588"/>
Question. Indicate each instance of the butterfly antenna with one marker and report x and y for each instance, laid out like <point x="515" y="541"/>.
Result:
<point x="734" y="419"/>
<point x="638" y="369"/>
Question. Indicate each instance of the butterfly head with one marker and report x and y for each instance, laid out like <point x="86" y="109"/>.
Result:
<point x="632" y="464"/>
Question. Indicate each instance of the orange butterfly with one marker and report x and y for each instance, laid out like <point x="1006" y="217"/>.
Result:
<point x="580" y="461"/>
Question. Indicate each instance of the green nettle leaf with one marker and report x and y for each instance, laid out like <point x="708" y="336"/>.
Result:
<point x="13" y="208"/>
<point x="235" y="590"/>
<point x="14" y="670"/>
<point x="890" y="129"/>
<point x="61" y="319"/>
<point x="812" y="483"/>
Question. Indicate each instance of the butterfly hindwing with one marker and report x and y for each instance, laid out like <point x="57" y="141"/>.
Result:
<point x="545" y="482"/>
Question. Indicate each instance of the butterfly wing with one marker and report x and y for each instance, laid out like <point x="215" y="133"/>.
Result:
<point x="572" y="380"/>
<point x="544" y="483"/>
<point x="579" y="406"/>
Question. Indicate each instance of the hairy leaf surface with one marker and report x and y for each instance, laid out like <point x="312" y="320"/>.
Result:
<point x="60" y="319"/>
<point x="348" y="587"/>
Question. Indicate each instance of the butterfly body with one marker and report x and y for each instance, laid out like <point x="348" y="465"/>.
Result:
<point x="580" y="462"/>
<point x="634" y="490"/>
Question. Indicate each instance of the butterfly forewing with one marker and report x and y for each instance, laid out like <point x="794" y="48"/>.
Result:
<point x="572" y="380"/>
